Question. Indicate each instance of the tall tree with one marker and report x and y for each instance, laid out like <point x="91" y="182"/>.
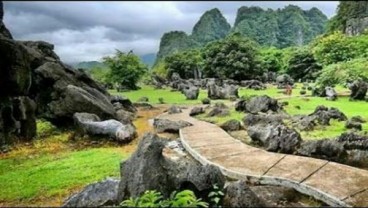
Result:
<point x="126" y="69"/>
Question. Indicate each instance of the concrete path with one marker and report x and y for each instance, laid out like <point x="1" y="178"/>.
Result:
<point x="333" y="183"/>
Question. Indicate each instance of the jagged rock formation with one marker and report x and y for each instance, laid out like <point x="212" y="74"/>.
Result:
<point x="36" y="83"/>
<point x="211" y="26"/>
<point x="175" y="41"/>
<point x="351" y="18"/>
<point x="17" y="110"/>
<point x="285" y="27"/>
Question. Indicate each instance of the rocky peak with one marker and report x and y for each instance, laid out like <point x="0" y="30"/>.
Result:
<point x="4" y="32"/>
<point x="174" y="41"/>
<point x="211" y="26"/>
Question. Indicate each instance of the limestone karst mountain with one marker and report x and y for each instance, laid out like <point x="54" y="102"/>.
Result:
<point x="351" y="17"/>
<point x="290" y="26"/>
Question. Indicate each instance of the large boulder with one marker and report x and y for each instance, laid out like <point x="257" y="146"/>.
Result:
<point x="253" y="84"/>
<point x="196" y="111"/>
<point x="324" y="114"/>
<point x="124" y="103"/>
<point x="40" y="52"/>
<point x="165" y="125"/>
<point x="15" y="71"/>
<point x="218" y="111"/>
<point x="254" y="119"/>
<point x="61" y="91"/>
<point x="165" y="167"/>
<point x="231" y="125"/>
<point x="353" y="141"/>
<point x="275" y="138"/>
<point x="191" y="93"/>
<point x="225" y="92"/>
<point x="92" y="125"/>
<point x="283" y="80"/>
<point x="238" y="194"/>
<point x="263" y="104"/>
<point x="24" y="111"/>
<point x="241" y="105"/>
<point x="304" y="122"/>
<point x="174" y="110"/>
<point x="331" y="93"/>
<point x="323" y="149"/>
<point x="358" y="90"/>
<point x="98" y="194"/>
<point x="76" y="99"/>
<point x="353" y="125"/>
<point x="125" y="117"/>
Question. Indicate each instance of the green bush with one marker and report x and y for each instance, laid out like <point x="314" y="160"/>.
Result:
<point x="271" y="59"/>
<point x="45" y="128"/>
<point x="126" y="69"/>
<point x="302" y="65"/>
<point x="343" y="72"/>
<point x="338" y="47"/>
<point x="234" y="57"/>
<point x="185" y="63"/>
<point x="152" y="198"/>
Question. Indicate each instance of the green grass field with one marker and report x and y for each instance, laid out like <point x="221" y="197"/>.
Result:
<point x="307" y="106"/>
<point x="24" y="178"/>
<point x="53" y="166"/>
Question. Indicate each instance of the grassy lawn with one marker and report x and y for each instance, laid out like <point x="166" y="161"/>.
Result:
<point x="58" y="163"/>
<point x="49" y="175"/>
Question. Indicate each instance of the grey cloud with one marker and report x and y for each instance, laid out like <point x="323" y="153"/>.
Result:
<point x="83" y="31"/>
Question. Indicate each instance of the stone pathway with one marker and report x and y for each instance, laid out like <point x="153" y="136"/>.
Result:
<point x="333" y="183"/>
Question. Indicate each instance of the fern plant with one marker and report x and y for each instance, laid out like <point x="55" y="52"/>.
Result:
<point x="215" y="196"/>
<point x="152" y="198"/>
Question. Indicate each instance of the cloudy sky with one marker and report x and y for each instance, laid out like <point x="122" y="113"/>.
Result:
<point x="85" y="31"/>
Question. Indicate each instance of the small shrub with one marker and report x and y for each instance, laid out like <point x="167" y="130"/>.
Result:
<point x="206" y="101"/>
<point x="152" y="198"/>
<point x="161" y="100"/>
<point x="45" y="128"/>
<point x="216" y="196"/>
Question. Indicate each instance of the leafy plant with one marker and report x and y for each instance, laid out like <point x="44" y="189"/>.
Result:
<point x="126" y="69"/>
<point x="45" y="128"/>
<point x="235" y="57"/>
<point x="216" y="196"/>
<point x="152" y="198"/>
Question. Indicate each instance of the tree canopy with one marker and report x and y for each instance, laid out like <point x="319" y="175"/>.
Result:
<point x="125" y="69"/>
<point x="234" y="57"/>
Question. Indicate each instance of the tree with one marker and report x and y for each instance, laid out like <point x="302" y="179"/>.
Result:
<point x="344" y="72"/>
<point x="338" y="47"/>
<point x="234" y="57"/>
<point x="333" y="48"/>
<point x="126" y="69"/>
<point x="271" y="59"/>
<point x="187" y="64"/>
<point x="302" y="65"/>
<point x="100" y="74"/>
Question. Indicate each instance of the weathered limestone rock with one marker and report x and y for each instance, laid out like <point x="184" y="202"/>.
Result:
<point x="159" y="165"/>
<point x="165" y="125"/>
<point x="98" y="194"/>
<point x="92" y="125"/>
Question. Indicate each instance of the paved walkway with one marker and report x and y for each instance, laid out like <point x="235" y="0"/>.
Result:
<point x="332" y="183"/>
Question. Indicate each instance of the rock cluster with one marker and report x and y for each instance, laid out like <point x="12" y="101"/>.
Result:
<point x="38" y="84"/>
